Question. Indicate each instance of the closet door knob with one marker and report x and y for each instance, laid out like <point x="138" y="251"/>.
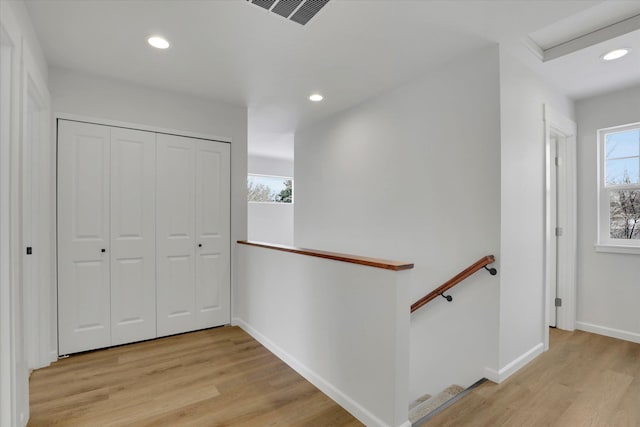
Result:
<point x="103" y="250"/>
<point x="199" y="245"/>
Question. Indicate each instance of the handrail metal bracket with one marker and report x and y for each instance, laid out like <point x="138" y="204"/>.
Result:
<point x="447" y="297"/>
<point x="492" y="271"/>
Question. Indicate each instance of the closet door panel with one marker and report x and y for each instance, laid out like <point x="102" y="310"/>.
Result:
<point x="212" y="234"/>
<point x="133" y="273"/>
<point x="83" y="237"/>
<point x="176" y="296"/>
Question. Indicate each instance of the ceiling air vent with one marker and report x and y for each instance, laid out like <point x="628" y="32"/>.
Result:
<point x="264" y="3"/>
<point x="300" y="11"/>
<point x="286" y="8"/>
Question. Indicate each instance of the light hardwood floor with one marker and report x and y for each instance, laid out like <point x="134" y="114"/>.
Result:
<point x="583" y="380"/>
<point x="215" y="377"/>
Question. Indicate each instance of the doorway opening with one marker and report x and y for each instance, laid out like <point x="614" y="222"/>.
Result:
<point x="560" y="223"/>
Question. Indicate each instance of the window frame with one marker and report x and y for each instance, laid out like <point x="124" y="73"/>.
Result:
<point x="293" y="190"/>
<point x="605" y="243"/>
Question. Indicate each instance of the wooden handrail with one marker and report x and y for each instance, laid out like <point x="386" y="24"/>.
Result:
<point x="481" y="263"/>
<point x="354" y="259"/>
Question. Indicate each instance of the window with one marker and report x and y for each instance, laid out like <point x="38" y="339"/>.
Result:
<point x="269" y="189"/>
<point x="619" y="186"/>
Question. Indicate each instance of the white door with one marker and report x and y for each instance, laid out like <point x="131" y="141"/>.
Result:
<point x="133" y="266"/>
<point x="175" y="234"/>
<point x="193" y="226"/>
<point x="212" y="234"/>
<point x="83" y="237"/>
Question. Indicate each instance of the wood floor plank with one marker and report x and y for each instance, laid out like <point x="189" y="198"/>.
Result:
<point x="583" y="380"/>
<point x="627" y="413"/>
<point x="596" y="403"/>
<point x="215" y="377"/>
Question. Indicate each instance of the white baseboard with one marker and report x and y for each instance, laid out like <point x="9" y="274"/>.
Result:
<point x="609" y="332"/>
<point x="515" y="365"/>
<point x="327" y="388"/>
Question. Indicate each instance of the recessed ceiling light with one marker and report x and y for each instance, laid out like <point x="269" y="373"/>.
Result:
<point x="158" y="42"/>
<point x="616" y="53"/>
<point x="316" y="97"/>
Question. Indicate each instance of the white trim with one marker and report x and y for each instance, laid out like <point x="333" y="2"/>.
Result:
<point x="617" y="249"/>
<point x="515" y="365"/>
<point x="269" y="176"/>
<point x="325" y="386"/>
<point x="609" y="332"/>
<point x="603" y="193"/>
<point x="138" y="126"/>
<point x="8" y="131"/>
<point x="533" y="47"/>
<point x="558" y="124"/>
<point x="603" y="34"/>
<point x="270" y="203"/>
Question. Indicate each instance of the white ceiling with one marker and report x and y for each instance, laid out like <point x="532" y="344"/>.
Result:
<point x="269" y="144"/>
<point x="236" y="52"/>
<point x="583" y="73"/>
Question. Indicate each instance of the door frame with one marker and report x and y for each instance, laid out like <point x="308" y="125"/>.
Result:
<point x="13" y="403"/>
<point x="136" y="126"/>
<point x="556" y="124"/>
<point x="39" y="291"/>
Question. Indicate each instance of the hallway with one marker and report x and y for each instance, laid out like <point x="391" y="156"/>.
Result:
<point x="583" y="380"/>
<point x="213" y="377"/>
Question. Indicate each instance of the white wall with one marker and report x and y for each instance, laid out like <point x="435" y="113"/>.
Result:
<point x="608" y="283"/>
<point x="91" y="96"/>
<point x="24" y="306"/>
<point x="263" y="165"/>
<point x="270" y="222"/>
<point x="522" y="96"/>
<point x="414" y="174"/>
<point x="344" y="327"/>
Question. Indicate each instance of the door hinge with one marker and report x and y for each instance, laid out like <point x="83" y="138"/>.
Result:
<point x="558" y="231"/>
<point x="29" y="250"/>
<point x="558" y="302"/>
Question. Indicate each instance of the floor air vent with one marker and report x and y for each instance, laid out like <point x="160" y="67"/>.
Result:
<point x="300" y="11"/>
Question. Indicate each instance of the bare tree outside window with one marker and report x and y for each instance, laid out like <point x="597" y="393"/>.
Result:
<point x="259" y="192"/>
<point x="621" y="181"/>
<point x="269" y="189"/>
<point x="625" y="213"/>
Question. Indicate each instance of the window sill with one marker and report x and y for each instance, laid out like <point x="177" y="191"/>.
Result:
<point x="270" y="203"/>
<point x="617" y="249"/>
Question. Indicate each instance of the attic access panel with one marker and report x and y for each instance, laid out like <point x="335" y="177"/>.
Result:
<point x="300" y="11"/>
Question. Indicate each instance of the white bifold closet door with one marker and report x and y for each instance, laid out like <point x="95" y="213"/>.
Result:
<point x="133" y="250"/>
<point x="83" y="237"/>
<point x="193" y="236"/>
<point x="106" y="236"/>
